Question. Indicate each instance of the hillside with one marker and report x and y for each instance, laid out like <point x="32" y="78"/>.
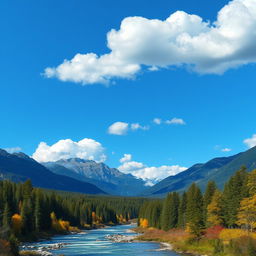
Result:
<point x="217" y="169"/>
<point x="20" y="167"/>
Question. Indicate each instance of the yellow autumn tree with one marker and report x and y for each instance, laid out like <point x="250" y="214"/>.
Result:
<point x="214" y="210"/>
<point x="55" y="223"/>
<point x="65" y="225"/>
<point x="247" y="213"/>
<point x="144" y="223"/>
<point x="16" y="223"/>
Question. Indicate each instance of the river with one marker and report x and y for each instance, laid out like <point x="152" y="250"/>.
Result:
<point x="95" y="243"/>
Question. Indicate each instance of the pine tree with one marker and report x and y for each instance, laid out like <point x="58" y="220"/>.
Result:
<point x="209" y="192"/>
<point x="155" y="213"/>
<point x="182" y="211"/>
<point x="38" y="211"/>
<point x="27" y="216"/>
<point x="6" y="216"/>
<point x="235" y="190"/>
<point x="169" y="218"/>
<point x="166" y="216"/>
<point x="194" y="211"/>
<point x="174" y="210"/>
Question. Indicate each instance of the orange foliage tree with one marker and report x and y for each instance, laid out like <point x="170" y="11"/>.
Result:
<point x="16" y="223"/>
<point x="144" y="223"/>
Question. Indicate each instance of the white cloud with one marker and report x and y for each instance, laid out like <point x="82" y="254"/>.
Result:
<point x="126" y="158"/>
<point x="63" y="149"/>
<point x="121" y="128"/>
<point x="182" y="40"/>
<point x="137" y="126"/>
<point x="118" y="128"/>
<point x="251" y="142"/>
<point x="157" y="121"/>
<point x="175" y="120"/>
<point x="226" y="149"/>
<point x="12" y="150"/>
<point x="149" y="174"/>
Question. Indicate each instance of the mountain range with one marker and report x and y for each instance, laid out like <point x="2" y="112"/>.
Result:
<point x="109" y="179"/>
<point x="87" y="176"/>
<point x="19" y="167"/>
<point x="218" y="169"/>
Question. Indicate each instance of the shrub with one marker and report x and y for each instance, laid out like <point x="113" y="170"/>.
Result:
<point x="213" y="232"/>
<point x="228" y="234"/>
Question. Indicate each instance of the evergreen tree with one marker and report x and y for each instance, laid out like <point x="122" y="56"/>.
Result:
<point x="169" y="218"/>
<point x="165" y="217"/>
<point x="235" y="190"/>
<point x="6" y="216"/>
<point x="182" y="211"/>
<point x="209" y="192"/>
<point x="155" y="214"/>
<point x="174" y="211"/>
<point x="194" y="211"/>
<point x="38" y="211"/>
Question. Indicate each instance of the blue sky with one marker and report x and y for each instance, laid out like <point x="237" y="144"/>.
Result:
<point x="218" y="109"/>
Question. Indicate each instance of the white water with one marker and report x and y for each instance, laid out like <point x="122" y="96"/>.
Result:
<point x="95" y="243"/>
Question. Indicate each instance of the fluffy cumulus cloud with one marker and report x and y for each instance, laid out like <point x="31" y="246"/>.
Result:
<point x="88" y="149"/>
<point x="181" y="40"/>
<point x="118" y="128"/>
<point x="251" y="142"/>
<point x="121" y="128"/>
<point x="149" y="174"/>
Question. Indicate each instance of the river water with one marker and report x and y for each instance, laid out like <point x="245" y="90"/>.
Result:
<point x="95" y="243"/>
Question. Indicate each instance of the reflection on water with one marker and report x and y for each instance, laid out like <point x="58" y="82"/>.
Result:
<point x="94" y="242"/>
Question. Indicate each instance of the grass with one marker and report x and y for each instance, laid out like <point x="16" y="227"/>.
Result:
<point x="178" y="239"/>
<point x="214" y="242"/>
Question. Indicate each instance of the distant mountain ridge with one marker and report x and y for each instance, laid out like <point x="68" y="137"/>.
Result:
<point x="20" y="167"/>
<point x="109" y="179"/>
<point x="87" y="176"/>
<point x="218" y="169"/>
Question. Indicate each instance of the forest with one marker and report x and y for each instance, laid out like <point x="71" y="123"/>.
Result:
<point x="28" y="213"/>
<point x="214" y="223"/>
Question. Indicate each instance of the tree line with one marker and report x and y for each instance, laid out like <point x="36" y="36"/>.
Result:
<point x="234" y="207"/>
<point x="27" y="212"/>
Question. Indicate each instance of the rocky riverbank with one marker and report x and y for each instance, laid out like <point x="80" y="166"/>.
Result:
<point x="121" y="238"/>
<point x="41" y="250"/>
